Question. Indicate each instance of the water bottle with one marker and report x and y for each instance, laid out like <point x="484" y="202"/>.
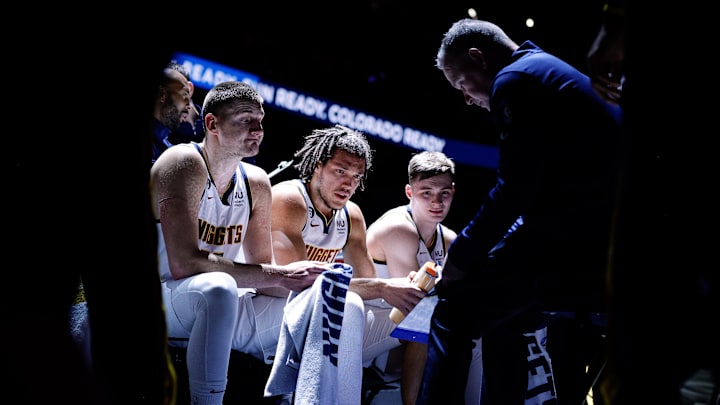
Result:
<point x="425" y="280"/>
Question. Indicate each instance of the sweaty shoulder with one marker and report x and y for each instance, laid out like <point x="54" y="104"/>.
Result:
<point x="179" y="174"/>
<point x="354" y="211"/>
<point x="393" y="228"/>
<point x="286" y="189"/>
<point x="286" y="195"/>
<point x="178" y="158"/>
<point x="393" y="219"/>
<point x="256" y="174"/>
<point x="259" y="183"/>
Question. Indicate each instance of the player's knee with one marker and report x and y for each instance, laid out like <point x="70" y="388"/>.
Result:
<point x="354" y="310"/>
<point x="218" y="289"/>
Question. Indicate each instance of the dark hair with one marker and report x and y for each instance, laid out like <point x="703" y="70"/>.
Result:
<point x="321" y="144"/>
<point x="173" y="65"/>
<point x="428" y="164"/>
<point x="470" y="33"/>
<point x="228" y="93"/>
<point x="167" y="78"/>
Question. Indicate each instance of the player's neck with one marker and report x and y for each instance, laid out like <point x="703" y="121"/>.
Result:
<point x="221" y="166"/>
<point x="323" y="208"/>
<point x="427" y="235"/>
<point x="426" y="229"/>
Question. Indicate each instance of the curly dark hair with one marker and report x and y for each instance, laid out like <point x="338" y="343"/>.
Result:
<point x="321" y="145"/>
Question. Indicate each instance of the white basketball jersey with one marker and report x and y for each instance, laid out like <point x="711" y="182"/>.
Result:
<point x="222" y="220"/>
<point x="436" y="254"/>
<point x="324" y="237"/>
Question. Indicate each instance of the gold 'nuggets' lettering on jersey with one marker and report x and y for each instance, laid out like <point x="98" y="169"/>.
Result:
<point x="320" y="254"/>
<point x="219" y="235"/>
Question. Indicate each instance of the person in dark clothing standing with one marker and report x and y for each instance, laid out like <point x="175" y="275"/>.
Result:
<point x="537" y="247"/>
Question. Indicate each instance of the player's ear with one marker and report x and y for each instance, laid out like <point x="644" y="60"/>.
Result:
<point x="210" y="121"/>
<point x="478" y="57"/>
<point x="408" y="191"/>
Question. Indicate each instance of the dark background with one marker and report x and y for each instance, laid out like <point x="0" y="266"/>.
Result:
<point x="378" y="56"/>
<point x="78" y="88"/>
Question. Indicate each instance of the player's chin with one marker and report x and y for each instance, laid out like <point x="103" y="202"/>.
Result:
<point x="439" y="217"/>
<point x="340" y="202"/>
<point x="253" y="147"/>
<point x="438" y="214"/>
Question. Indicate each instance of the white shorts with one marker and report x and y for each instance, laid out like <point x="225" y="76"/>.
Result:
<point x="376" y="335"/>
<point x="258" y="325"/>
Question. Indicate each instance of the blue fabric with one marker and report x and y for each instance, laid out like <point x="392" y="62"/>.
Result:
<point x="558" y="151"/>
<point x="540" y="239"/>
<point x="161" y="141"/>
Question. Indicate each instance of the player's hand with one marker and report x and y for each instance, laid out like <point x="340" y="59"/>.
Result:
<point x="297" y="276"/>
<point x="402" y="294"/>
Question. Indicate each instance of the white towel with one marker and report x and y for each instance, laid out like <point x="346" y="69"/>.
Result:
<point x="307" y="355"/>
